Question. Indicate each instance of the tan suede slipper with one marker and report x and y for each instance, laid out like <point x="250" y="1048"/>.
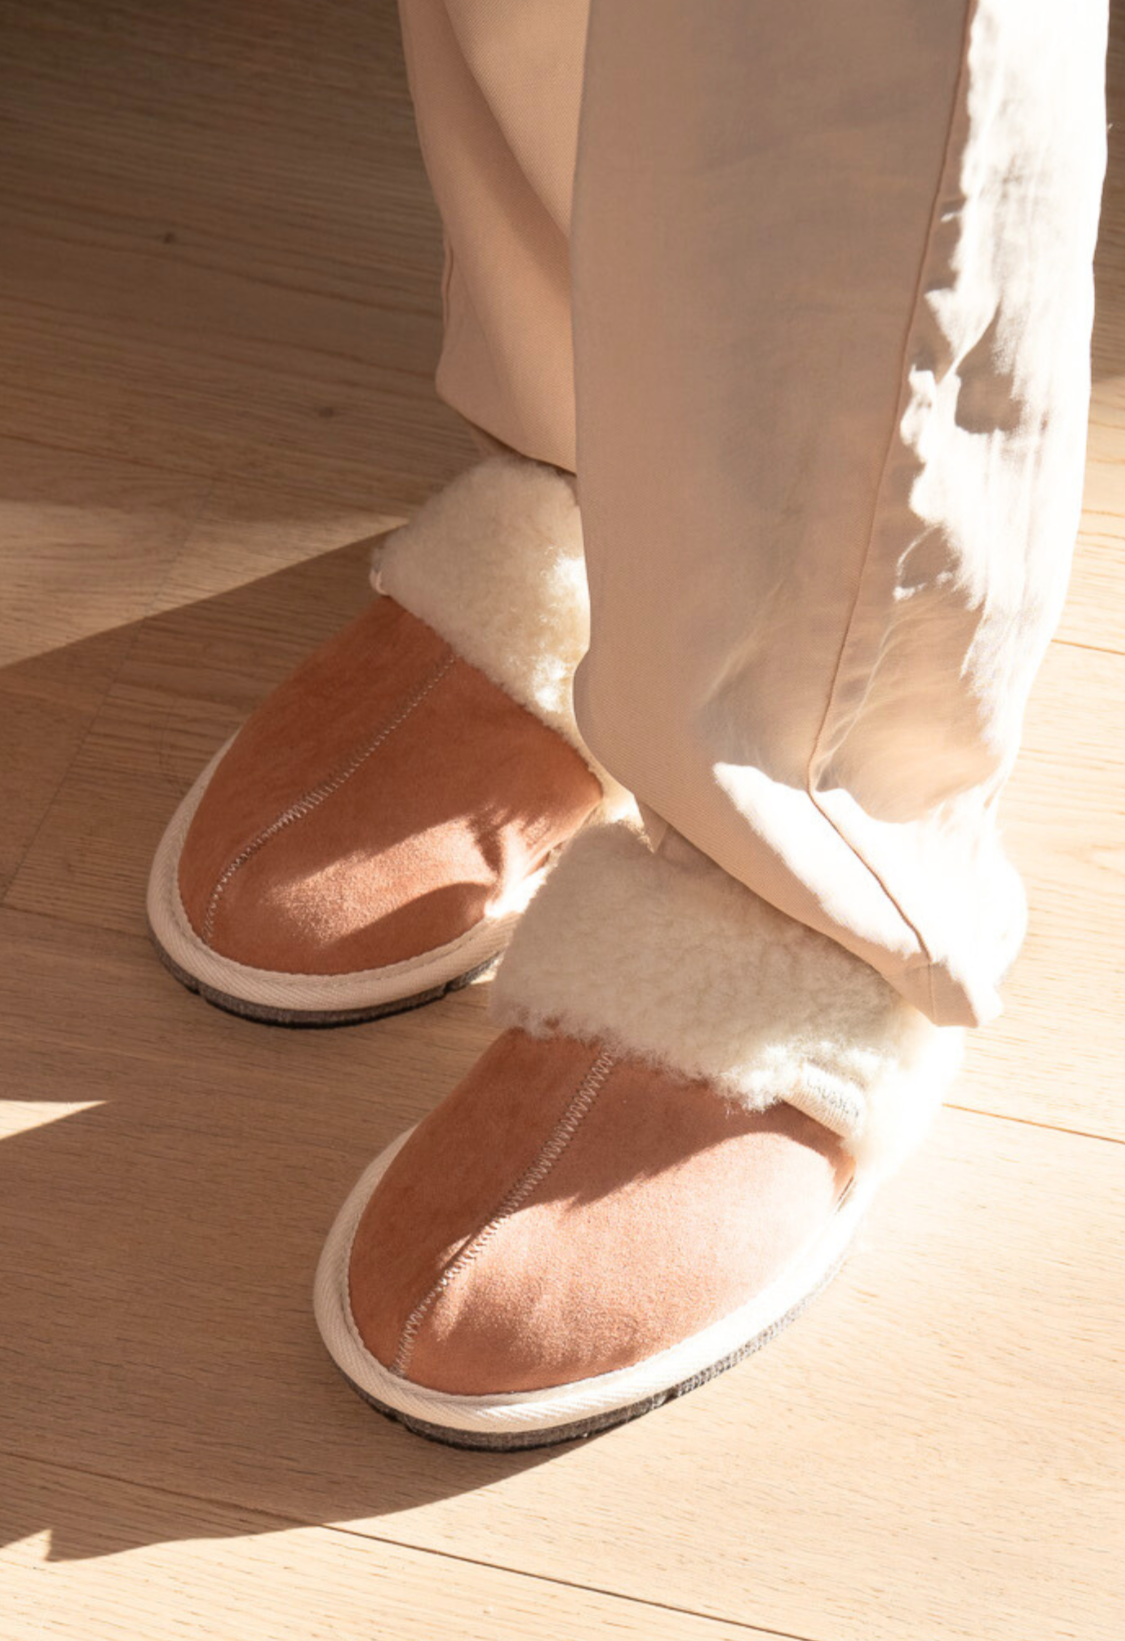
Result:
<point x="370" y="837"/>
<point x="658" y="1164"/>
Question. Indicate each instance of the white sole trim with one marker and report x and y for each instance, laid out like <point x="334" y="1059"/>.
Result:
<point x="294" y="995"/>
<point x="532" y="1418"/>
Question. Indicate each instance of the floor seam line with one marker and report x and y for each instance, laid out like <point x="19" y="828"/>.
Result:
<point x="1033" y="1122"/>
<point x="345" y="1531"/>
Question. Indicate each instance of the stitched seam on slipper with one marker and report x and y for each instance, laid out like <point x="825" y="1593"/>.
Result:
<point x="549" y="1153"/>
<point x="315" y="796"/>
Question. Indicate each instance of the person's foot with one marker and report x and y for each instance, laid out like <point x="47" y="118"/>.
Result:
<point x="370" y="837"/>
<point x="656" y="1166"/>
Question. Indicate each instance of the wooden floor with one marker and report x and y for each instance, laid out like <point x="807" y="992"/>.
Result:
<point x="218" y="321"/>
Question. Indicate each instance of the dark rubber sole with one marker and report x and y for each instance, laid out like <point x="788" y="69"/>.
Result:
<point x="315" y="1018"/>
<point x="579" y="1430"/>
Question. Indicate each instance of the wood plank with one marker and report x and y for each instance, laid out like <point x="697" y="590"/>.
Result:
<point x="205" y="271"/>
<point x="1095" y="606"/>
<point x="246" y="534"/>
<point x="1055" y="1055"/>
<point x="351" y="436"/>
<point x="210" y="1570"/>
<point x="193" y="673"/>
<point x="344" y="47"/>
<point x="85" y="543"/>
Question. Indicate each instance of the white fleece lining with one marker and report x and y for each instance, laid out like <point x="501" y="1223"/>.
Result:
<point x="495" y="564"/>
<point x="679" y="964"/>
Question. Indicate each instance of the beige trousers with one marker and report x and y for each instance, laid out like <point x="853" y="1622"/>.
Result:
<point x="803" y="294"/>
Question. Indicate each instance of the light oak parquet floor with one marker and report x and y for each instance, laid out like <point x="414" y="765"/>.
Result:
<point x="218" y="319"/>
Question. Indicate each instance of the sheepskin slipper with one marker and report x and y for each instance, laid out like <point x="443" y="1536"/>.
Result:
<point x="659" y="1163"/>
<point x="370" y="837"/>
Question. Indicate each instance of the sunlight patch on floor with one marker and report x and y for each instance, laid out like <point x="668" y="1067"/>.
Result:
<point x="21" y="1116"/>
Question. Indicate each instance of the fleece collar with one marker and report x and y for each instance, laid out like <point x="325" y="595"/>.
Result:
<point x="495" y="564"/>
<point x="674" y="961"/>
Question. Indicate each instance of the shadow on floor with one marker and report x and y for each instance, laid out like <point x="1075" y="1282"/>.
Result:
<point x="170" y="1171"/>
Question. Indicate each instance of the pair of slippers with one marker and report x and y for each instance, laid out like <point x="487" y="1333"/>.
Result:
<point x="693" y="1098"/>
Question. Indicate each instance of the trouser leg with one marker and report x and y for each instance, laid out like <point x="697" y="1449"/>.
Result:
<point x="496" y="90"/>
<point x="832" y="306"/>
<point x="831" y="309"/>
